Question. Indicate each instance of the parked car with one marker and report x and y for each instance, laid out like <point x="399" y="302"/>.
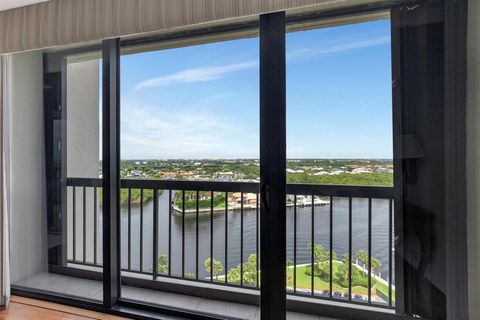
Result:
<point x="358" y="297"/>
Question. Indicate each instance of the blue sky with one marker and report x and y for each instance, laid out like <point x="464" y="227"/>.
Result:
<point x="203" y="101"/>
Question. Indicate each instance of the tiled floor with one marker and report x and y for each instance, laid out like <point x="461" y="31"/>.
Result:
<point x="64" y="285"/>
<point x="93" y="290"/>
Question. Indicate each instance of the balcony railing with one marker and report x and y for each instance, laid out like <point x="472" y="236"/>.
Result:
<point x="208" y="231"/>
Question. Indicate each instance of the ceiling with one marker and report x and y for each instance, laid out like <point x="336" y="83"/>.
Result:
<point x="11" y="4"/>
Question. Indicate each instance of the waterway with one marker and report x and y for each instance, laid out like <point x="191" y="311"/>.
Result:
<point x="380" y="234"/>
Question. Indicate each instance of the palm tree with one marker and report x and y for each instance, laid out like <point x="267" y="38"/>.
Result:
<point x="376" y="264"/>
<point x="344" y="268"/>
<point x="362" y="256"/>
<point x="250" y="269"/>
<point x="162" y="264"/>
<point x="233" y="275"/>
<point x="319" y="253"/>
<point x="217" y="267"/>
<point x="333" y="254"/>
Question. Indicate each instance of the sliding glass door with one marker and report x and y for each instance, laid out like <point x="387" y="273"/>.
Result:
<point x="340" y="163"/>
<point x="189" y="166"/>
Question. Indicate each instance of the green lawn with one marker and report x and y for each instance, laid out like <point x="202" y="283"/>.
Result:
<point x="384" y="289"/>
<point x="304" y="282"/>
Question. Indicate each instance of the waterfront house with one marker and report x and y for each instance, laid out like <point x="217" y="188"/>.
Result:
<point x="224" y="176"/>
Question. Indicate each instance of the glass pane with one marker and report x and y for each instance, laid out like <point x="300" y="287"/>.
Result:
<point x="339" y="133"/>
<point x="57" y="242"/>
<point x="339" y="114"/>
<point x="190" y="114"/>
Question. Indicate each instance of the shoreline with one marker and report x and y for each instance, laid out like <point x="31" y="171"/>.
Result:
<point x="178" y="211"/>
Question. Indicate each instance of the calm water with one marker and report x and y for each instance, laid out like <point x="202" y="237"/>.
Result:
<point x="304" y="218"/>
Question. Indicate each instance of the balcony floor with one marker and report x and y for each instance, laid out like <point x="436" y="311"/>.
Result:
<point x="91" y="289"/>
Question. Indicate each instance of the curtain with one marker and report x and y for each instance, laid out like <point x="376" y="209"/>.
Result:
<point x="63" y="22"/>
<point x="4" y="236"/>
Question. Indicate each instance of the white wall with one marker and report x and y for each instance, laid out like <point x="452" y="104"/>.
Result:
<point x="27" y="205"/>
<point x="473" y="157"/>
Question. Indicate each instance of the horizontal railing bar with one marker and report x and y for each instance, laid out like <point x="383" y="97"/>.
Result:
<point x="343" y="300"/>
<point x="84" y="182"/>
<point x="246" y="187"/>
<point x="88" y="264"/>
<point x="249" y="187"/>
<point x="191" y="185"/>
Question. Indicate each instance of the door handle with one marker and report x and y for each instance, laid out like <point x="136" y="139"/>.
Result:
<point x="265" y="194"/>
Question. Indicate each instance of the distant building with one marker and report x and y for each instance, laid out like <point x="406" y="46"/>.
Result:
<point x="186" y="175"/>
<point x="224" y="176"/>
<point x="249" y="199"/>
<point x="136" y="173"/>
<point x="361" y="170"/>
<point x="168" y="175"/>
<point x="295" y="171"/>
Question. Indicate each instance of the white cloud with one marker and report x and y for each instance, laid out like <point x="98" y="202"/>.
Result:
<point x="160" y="132"/>
<point x="196" y="75"/>
<point x="203" y="74"/>
<point x="307" y="52"/>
